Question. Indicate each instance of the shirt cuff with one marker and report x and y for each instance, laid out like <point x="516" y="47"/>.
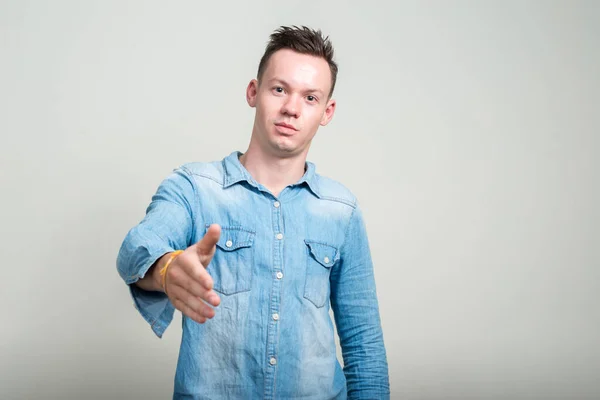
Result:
<point x="155" y="307"/>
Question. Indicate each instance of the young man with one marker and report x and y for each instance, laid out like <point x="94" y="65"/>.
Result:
<point x="269" y="244"/>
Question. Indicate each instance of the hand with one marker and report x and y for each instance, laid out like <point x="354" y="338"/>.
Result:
<point x="187" y="283"/>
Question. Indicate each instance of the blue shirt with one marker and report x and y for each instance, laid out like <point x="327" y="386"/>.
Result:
<point x="280" y="264"/>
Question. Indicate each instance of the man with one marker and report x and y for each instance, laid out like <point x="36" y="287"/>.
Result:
<point x="267" y="245"/>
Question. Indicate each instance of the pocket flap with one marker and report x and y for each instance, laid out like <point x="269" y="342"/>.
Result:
<point x="234" y="237"/>
<point x="324" y="254"/>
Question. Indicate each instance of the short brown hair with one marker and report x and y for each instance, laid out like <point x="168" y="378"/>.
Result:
<point x="302" y="40"/>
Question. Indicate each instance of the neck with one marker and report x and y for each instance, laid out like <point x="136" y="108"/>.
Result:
<point x="274" y="173"/>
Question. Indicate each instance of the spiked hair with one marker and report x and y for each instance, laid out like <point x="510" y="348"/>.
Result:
<point x="302" y="40"/>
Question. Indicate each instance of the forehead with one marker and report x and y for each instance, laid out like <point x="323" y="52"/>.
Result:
<point x="301" y="70"/>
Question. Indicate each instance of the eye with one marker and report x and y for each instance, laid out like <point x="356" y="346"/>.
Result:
<point x="278" y="89"/>
<point x="311" y="98"/>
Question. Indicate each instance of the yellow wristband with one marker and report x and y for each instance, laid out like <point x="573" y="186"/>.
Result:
<point x="163" y="271"/>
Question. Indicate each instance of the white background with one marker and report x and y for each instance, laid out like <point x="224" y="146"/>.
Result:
<point x="467" y="129"/>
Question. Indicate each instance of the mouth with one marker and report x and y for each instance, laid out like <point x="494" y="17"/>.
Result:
<point x="285" y="126"/>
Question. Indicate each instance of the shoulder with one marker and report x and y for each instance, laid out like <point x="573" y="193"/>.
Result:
<point x="208" y="170"/>
<point x="332" y="190"/>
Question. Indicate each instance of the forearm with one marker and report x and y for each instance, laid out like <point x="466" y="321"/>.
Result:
<point x="152" y="281"/>
<point x="365" y="365"/>
<point x="356" y="310"/>
<point x="167" y="226"/>
<point x="363" y="349"/>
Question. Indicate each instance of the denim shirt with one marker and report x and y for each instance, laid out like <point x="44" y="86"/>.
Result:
<point x="280" y="264"/>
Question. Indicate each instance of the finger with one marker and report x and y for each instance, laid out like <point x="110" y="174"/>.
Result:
<point x="196" y="289"/>
<point x="213" y="298"/>
<point x="188" y="302"/>
<point x="189" y="269"/>
<point x="197" y="305"/>
<point x="188" y="312"/>
<point x="206" y="246"/>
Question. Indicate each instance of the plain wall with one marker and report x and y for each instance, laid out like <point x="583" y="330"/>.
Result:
<point x="467" y="129"/>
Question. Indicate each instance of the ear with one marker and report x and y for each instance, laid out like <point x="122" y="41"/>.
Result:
<point x="328" y="114"/>
<point x="251" y="93"/>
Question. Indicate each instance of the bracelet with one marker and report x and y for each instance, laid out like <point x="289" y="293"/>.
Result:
<point x="163" y="271"/>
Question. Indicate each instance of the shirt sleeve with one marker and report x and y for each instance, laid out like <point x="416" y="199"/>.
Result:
<point x="167" y="226"/>
<point x="356" y="312"/>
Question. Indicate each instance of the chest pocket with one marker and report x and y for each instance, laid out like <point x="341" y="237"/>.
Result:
<point x="233" y="262"/>
<point x="321" y="257"/>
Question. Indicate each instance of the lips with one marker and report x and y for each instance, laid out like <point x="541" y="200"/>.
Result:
<point x="284" y="125"/>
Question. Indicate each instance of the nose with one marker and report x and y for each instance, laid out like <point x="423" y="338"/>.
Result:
<point x="290" y="106"/>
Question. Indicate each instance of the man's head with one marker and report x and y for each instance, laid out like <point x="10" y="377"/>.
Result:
<point x="292" y="92"/>
<point x="304" y="41"/>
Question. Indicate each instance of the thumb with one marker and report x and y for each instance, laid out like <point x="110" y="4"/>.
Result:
<point x="206" y="246"/>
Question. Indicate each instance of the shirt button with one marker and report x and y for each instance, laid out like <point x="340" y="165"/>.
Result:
<point x="276" y="316"/>
<point x="279" y="236"/>
<point x="326" y="259"/>
<point x="229" y="243"/>
<point x="272" y="361"/>
<point x="279" y="275"/>
<point x="276" y="204"/>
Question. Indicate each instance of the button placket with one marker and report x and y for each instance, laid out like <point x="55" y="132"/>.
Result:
<point x="276" y="288"/>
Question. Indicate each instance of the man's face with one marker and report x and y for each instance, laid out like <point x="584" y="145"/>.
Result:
<point x="291" y="102"/>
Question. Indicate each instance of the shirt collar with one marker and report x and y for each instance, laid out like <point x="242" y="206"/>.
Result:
<point x="235" y="172"/>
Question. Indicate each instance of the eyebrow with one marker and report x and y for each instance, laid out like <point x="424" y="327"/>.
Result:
<point x="284" y="83"/>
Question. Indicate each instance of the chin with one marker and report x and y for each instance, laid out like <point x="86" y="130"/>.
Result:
<point x="284" y="149"/>
<point x="283" y="142"/>
<point x="289" y="150"/>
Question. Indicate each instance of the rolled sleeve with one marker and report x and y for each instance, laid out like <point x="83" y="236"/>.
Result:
<point x="356" y="312"/>
<point x="167" y="226"/>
